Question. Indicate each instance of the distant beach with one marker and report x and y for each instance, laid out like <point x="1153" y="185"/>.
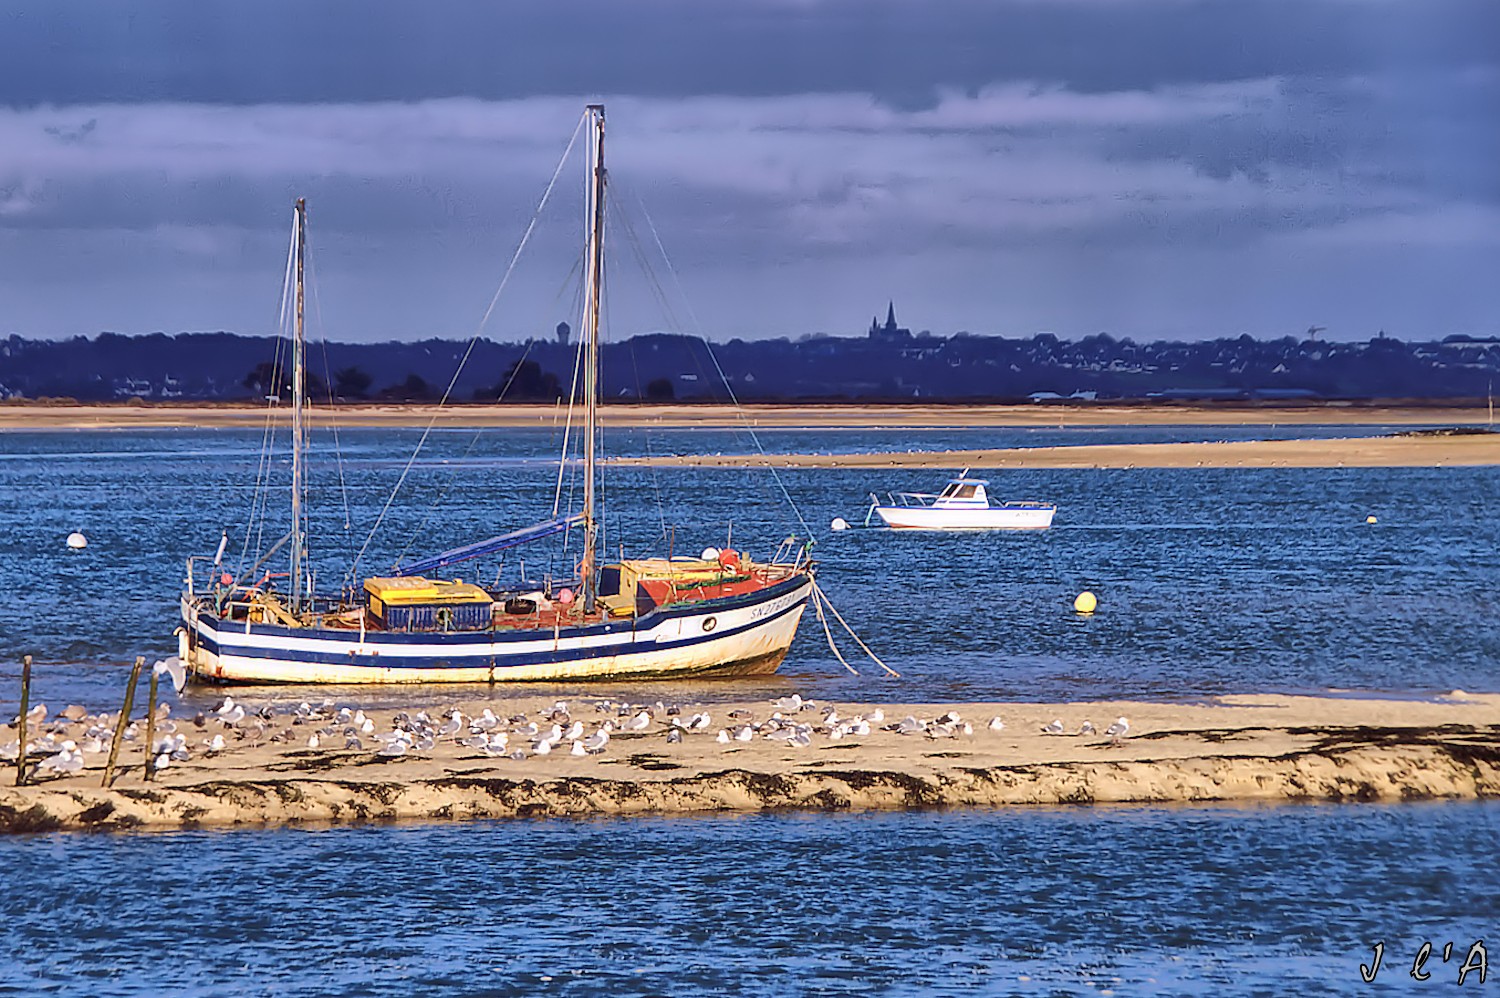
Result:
<point x="43" y="416"/>
<point x="1340" y="452"/>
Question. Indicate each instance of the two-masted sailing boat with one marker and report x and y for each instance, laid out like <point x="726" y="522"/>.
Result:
<point x="645" y="618"/>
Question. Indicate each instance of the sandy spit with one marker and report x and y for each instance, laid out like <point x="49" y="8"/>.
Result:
<point x="1342" y="452"/>
<point x="38" y="416"/>
<point x="1240" y="748"/>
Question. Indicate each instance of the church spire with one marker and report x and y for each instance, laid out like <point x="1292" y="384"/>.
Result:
<point x="890" y="316"/>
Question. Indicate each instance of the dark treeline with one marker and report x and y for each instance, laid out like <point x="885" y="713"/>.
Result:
<point x="887" y="364"/>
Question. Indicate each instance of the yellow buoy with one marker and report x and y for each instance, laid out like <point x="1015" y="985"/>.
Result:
<point x="1085" y="602"/>
<point x="1371" y="519"/>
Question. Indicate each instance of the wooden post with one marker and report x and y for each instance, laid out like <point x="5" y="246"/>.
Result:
<point x="114" y="745"/>
<point x="25" y="706"/>
<point x="150" y="726"/>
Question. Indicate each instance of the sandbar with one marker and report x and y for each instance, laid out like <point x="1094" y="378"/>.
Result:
<point x="1231" y="748"/>
<point x="16" y="415"/>
<point x="1467" y="450"/>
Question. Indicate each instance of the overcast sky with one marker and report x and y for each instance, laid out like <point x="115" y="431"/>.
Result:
<point x="1151" y="168"/>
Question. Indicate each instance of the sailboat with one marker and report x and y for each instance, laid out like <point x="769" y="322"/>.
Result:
<point x="722" y="614"/>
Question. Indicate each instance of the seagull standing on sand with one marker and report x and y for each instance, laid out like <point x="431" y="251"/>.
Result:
<point x="453" y="727"/>
<point x="996" y="724"/>
<point x="1087" y="729"/>
<point x="1055" y="728"/>
<point x="1118" y="730"/>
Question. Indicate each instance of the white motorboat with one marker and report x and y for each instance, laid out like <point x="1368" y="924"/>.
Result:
<point x="963" y="505"/>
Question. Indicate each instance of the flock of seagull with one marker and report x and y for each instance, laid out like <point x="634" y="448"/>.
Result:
<point x="66" y="740"/>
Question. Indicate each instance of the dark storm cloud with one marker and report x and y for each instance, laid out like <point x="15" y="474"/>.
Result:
<point x="1162" y="165"/>
<point x="90" y="51"/>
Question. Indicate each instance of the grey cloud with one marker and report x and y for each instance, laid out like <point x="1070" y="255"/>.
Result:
<point x="87" y="51"/>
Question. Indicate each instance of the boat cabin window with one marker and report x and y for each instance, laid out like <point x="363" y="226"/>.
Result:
<point x="959" y="490"/>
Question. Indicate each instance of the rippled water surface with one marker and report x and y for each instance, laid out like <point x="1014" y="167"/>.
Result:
<point x="1209" y="580"/>
<point x="1039" y="902"/>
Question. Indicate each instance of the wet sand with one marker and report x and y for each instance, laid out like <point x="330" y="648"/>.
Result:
<point x="38" y="416"/>
<point x="1237" y="748"/>
<point x="1340" y="452"/>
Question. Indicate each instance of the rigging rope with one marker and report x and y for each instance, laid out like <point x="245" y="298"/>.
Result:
<point x="258" y="497"/>
<point x="739" y="409"/>
<point x="525" y="238"/>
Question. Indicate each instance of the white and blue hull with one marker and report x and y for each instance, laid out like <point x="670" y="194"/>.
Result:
<point x="732" y="636"/>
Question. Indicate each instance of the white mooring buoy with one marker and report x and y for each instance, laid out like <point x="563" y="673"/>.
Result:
<point x="839" y="523"/>
<point x="77" y="541"/>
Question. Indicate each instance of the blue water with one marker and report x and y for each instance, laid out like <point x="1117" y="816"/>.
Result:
<point x="1209" y="581"/>
<point x="1188" y="901"/>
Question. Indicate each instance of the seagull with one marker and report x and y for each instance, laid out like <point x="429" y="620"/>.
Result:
<point x="1118" y="729"/>
<point x="574" y="732"/>
<point x="674" y="736"/>
<point x="396" y="747"/>
<point x="722" y="737"/>
<point x="368" y="728"/>
<point x="640" y="722"/>
<point x="1055" y="728"/>
<point x="744" y="734"/>
<point x="967" y="729"/>
<point x="172" y="668"/>
<point x="66" y="761"/>
<point x="217" y="744"/>
<point x="161" y="762"/>
<point x="910" y="726"/>
<point x="876" y="716"/>
<point x="1087" y="729"/>
<point x="454" y="726"/>
<point x="225" y="707"/>
<point x="542" y="747"/>
<point x="74" y="712"/>
<point x="996" y="724"/>
<point x="578" y="749"/>
<point x="351" y="742"/>
<point x="594" y="744"/>
<point x="791" y="704"/>
<point x="699" y="722"/>
<point x="233" y="717"/>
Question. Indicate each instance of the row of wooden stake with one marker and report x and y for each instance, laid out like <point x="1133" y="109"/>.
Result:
<point x="120" y="726"/>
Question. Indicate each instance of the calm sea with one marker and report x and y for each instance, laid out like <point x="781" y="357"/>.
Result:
<point x="1209" y="581"/>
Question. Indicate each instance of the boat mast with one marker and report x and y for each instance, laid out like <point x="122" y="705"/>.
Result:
<point x="587" y="567"/>
<point x="299" y="540"/>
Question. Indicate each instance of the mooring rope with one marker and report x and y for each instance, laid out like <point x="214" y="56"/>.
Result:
<point x="818" y="609"/>
<point x="818" y="591"/>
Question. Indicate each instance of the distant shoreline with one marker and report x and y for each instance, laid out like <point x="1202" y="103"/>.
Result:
<point x="53" y="416"/>
<point x="1340" y="452"/>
